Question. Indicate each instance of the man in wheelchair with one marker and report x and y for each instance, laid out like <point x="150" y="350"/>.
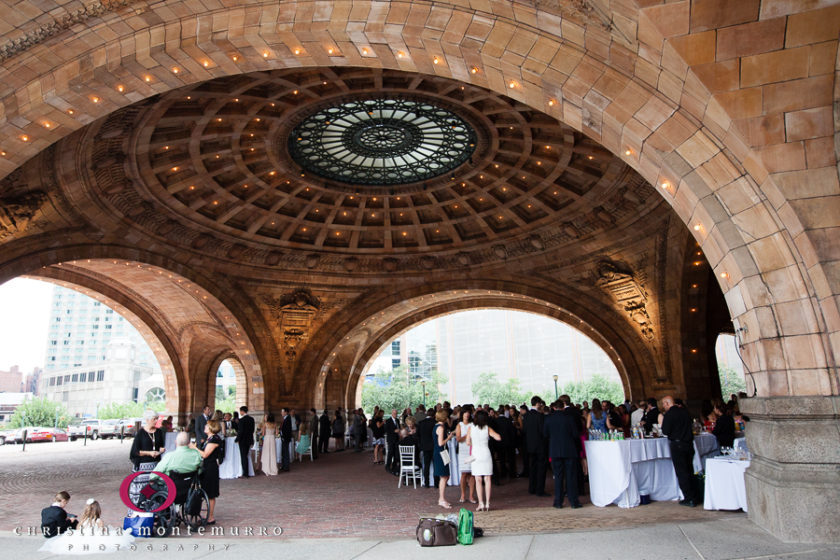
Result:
<point x="182" y="466"/>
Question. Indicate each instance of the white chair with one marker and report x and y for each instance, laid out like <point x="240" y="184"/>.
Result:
<point x="407" y="466"/>
<point x="303" y="451"/>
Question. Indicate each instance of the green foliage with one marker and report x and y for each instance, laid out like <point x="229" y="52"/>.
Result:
<point x="228" y="402"/>
<point x="489" y="390"/>
<point x="399" y="389"/>
<point x="121" y="410"/>
<point x="39" y="412"/>
<point x="598" y="386"/>
<point x="730" y="382"/>
<point x="157" y="406"/>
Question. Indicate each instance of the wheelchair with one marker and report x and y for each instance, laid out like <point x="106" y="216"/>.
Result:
<point x="191" y="506"/>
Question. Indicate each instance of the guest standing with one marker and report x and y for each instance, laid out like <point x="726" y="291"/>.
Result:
<point x="245" y="438"/>
<point x="724" y="429"/>
<point x="482" y="468"/>
<point x="426" y="438"/>
<point x="286" y="438"/>
<point x="313" y="431"/>
<point x="338" y="430"/>
<point x="201" y="421"/>
<point x="441" y="469"/>
<point x="677" y="425"/>
<point x="148" y="444"/>
<point x="392" y="437"/>
<point x="597" y="419"/>
<point x="378" y="429"/>
<point x="211" y="455"/>
<point x="535" y="446"/>
<point x="561" y="430"/>
<point x="269" y="448"/>
<point x="324" y="433"/>
<point x="465" y="464"/>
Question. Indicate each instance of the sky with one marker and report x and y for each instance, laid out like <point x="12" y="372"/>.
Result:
<point x="25" y="312"/>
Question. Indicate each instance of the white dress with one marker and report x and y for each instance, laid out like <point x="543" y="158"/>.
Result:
<point x="483" y="464"/>
<point x="89" y="539"/>
<point x="464" y="449"/>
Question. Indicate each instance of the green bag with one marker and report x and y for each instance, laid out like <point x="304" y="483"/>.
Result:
<point x="465" y="526"/>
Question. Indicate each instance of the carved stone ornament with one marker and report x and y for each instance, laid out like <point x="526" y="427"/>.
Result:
<point x="617" y="280"/>
<point x="17" y="211"/>
<point x="296" y="311"/>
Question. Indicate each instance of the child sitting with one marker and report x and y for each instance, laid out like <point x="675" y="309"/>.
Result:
<point x="54" y="519"/>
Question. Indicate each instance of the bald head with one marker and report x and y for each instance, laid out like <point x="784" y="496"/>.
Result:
<point x="182" y="439"/>
<point x="667" y="402"/>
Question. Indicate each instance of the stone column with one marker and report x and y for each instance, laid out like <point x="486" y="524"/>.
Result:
<point x="793" y="482"/>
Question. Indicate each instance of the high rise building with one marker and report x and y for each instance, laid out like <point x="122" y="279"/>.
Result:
<point x="512" y="344"/>
<point x="93" y="355"/>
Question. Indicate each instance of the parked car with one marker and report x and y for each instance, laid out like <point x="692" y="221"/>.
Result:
<point x="130" y="426"/>
<point x="76" y="431"/>
<point x="39" y="433"/>
<point x="96" y="429"/>
<point x="110" y="428"/>
<point x="7" y="436"/>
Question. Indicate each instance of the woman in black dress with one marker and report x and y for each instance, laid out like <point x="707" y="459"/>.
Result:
<point x="148" y="445"/>
<point x="210" y="469"/>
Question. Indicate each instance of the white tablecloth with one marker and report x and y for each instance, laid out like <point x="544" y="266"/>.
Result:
<point x="278" y="449"/>
<point x="231" y="467"/>
<point x="169" y="441"/>
<point x="725" y="484"/>
<point x="620" y="471"/>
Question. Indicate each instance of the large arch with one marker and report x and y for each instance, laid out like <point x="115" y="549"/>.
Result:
<point x="735" y="133"/>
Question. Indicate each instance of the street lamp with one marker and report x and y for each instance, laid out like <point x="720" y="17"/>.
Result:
<point x="423" y="383"/>
<point x="555" y="387"/>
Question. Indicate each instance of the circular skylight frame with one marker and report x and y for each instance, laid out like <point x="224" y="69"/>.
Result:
<point x="382" y="141"/>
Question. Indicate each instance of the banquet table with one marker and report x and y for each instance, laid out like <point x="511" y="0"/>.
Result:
<point x="231" y="467"/>
<point x="725" y="487"/>
<point x="621" y="471"/>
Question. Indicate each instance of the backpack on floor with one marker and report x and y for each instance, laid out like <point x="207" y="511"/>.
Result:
<point x="465" y="526"/>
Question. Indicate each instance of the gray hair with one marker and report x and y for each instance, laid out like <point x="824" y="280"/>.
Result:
<point x="149" y="415"/>
<point x="182" y="439"/>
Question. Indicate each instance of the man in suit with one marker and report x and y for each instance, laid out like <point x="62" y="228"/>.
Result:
<point x="535" y="447"/>
<point x="506" y="447"/>
<point x="392" y="438"/>
<point x="677" y="425"/>
<point x="561" y="430"/>
<point x="426" y="435"/>
<point x="313" y="431"/>
<point x="200" y="423"/>
<point x="651" y="416"/>
<point x="286" y="435"/>
<point x="324" y="435"/>
<point x="245" y="438"/>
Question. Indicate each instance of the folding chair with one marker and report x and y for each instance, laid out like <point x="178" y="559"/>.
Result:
<point x="407" y="466"/>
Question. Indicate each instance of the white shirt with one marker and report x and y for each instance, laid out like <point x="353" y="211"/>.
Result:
<point x="636" y="417"/>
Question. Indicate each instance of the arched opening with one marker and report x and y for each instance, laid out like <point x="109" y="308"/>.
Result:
<point x="231" y="390"/>
<point x="489" y="356"/>
<point x="730" y="366"/>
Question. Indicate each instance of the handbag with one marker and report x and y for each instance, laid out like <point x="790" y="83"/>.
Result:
<point x="444" y="456"/>
<point x="141" y="524"/>
<point x="436" y="532"/>
<point x="468" y="459"/>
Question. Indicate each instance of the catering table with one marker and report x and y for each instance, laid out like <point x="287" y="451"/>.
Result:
<point x="725" y="484"/>
<point x="621" y="471"/>
<point x="231" y="467"/>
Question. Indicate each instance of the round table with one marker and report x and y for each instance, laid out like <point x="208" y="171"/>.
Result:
<point x="231" y="467"/>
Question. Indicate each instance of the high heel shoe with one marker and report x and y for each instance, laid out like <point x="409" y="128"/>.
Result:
<point x="480" y="507"/>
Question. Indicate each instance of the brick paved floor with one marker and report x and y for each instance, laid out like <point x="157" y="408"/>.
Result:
<point x="339" y="495"/>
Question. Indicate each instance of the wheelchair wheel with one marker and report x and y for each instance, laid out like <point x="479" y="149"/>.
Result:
<point x="164" y="519"/>
<point x="199" y="518"/>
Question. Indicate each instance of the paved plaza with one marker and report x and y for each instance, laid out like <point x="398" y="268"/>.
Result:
<point x="342" y="506"/>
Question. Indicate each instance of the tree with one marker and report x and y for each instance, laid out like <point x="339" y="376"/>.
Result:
<point x="39" y="412"/>
<point x="730" y="382"/>
<point x="489" y="390"/>
<point x="399" y="389"/>
<point x="121" y="410"/>
<point x="598" y="386"/>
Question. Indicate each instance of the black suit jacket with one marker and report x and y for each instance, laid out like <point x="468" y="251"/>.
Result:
<point x="724" y="431"/>
<point x="506" y="430"/>
<point x="562" y="432"/>
<point x="325" y="424"/>
<point x="286" y="429"/>
<point x="392" y="430"/>
<point x="200" y="424"/>
<point x="246" y="430"/>
<point x="426" y="433"/>
<point x="533" y="428"/>
<point x="650" y="418"/>
<point x="54" y="521"/>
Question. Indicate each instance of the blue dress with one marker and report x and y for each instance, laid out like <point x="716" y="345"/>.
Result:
<point x="440" y="468"/>
<point x="599" y="424"/>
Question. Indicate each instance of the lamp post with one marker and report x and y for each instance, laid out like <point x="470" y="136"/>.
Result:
<point x="423" y="383"/>
<point x="555" y="388"/>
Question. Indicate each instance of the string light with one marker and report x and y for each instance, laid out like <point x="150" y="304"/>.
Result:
<point x="120" y="88"/>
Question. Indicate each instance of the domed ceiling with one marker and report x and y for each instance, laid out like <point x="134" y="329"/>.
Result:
<point x="356" y="162"/>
